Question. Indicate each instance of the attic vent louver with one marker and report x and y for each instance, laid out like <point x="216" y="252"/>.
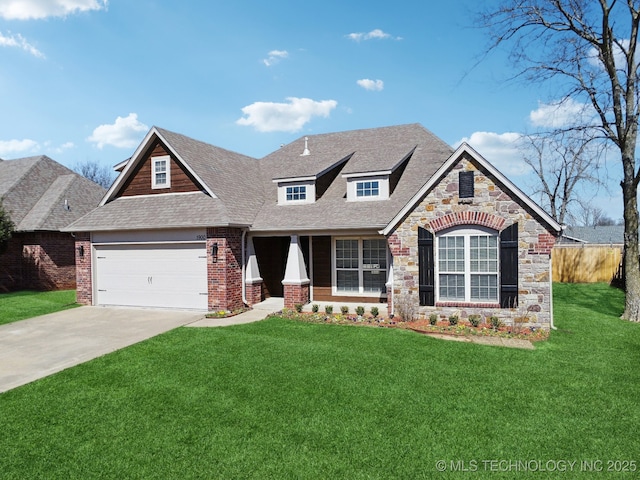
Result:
<point x="306" y="148"/>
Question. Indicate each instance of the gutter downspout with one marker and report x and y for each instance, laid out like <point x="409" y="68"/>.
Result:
<point x="553" y="327"/>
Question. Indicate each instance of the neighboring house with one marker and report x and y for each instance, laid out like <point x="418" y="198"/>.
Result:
<point x="41" y="197"/>
<point x="360" y="216"/>
<point x="589" y="254"/>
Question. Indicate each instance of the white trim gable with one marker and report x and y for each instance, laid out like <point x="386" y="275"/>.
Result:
<point x="439" y="174"/>
<point x="137" y="158"/>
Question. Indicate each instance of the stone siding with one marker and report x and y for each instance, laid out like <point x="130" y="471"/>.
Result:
<point x="491" y="207"/>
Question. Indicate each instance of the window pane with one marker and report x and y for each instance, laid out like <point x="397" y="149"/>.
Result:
<point x="346" y="253"/>
<point x="484" y="287"/>
<point x="161" y="178"/>
<point x="451" y="287"/>
<point x="451" y="254"/>
<point x="347" y="280"/>
<point x="374" y="254"/>
<point x="296" y="193"/>
<point x="374" y="281"/>
<point x="368" y="189"/>
<point x="483" y="253"/>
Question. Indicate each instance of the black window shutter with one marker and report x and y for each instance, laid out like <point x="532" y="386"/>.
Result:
<point x="509" y="267"/>
<point x="465" y="184"/>
<point x="426" y="267"/>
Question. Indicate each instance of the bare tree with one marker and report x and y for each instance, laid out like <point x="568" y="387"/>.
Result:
<point x="589" y="48"/>
<point x="562" y="161"/>
<point x="591" y="216"/>
<point x="95" y="172"/>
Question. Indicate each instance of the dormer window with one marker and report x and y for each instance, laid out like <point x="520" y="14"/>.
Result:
<point x="160" y="172"/>
<point x="296" y="193"/>
<point x="370" y="188"/>
<point x="364" y="187"/>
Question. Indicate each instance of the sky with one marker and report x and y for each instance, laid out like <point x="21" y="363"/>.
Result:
<point x="85" y="80"/>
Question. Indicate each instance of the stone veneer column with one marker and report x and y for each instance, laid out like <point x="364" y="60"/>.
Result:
<point x="296" y="282"/>
<point x="224" y="271"/>
<point x="84" y="282"/>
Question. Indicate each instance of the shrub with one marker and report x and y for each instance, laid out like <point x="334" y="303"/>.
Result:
<point x="405" y="307"/>
<point x="474" y="320"/>
<point x="453" y="320"/>
<point x="496" y="323"/>
<point x="328" y="309"/>
<point x="315" y="308"/>
<point x="298" y="307"/>
<point x="360" y="310"/>
<point x="433" y="318"/>
<point x="375" y="311"/>
<point x="344" y="309"/>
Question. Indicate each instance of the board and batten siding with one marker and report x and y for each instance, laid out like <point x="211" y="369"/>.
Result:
<point x="139" y="182"/>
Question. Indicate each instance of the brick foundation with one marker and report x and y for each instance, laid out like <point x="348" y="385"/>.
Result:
<point x="295" y="294"/>
<point x="253" y="292"/>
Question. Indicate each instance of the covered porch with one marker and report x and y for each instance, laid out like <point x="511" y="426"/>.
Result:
<point x="346" y="270"/>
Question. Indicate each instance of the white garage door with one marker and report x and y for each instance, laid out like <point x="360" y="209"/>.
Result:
<point x="165" y="275"/>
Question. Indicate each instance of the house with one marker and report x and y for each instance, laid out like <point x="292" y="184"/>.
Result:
<point x="589" y="254"/>
<point x="41" y="197"/>
<point x="359" y="216"/>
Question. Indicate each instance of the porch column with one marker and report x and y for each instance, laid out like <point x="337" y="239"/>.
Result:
<point x="295" y="282"/>
<point x="252" y="278"/>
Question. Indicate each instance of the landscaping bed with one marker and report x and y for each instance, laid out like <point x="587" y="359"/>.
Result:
<point x="451" y="327"/>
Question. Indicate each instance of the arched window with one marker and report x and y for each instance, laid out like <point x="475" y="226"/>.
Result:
<point x="467" y="265"/>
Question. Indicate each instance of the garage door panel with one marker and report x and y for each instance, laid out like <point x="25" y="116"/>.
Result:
<point x="173" y="276"/>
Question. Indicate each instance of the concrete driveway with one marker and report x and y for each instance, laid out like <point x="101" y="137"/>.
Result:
<point x="34" y="348"/>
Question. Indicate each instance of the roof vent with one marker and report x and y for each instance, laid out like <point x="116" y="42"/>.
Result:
<point x="306" y="148"/>
<point x="66" y="204"/>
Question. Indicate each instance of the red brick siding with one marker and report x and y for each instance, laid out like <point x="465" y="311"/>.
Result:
<point x="296" y="294"/>
<point x="545" y="243"/>
<point x="224" y="273"/>
<point x="395" y="246"/>
<point x="468" y="217"/>
<point x="253" y="292"/>
<point x="84" y="288"/>
<point x="39" y="261"/>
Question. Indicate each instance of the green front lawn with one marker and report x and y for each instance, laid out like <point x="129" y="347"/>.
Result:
<point x="26" y="304"/>
<point x="280" y="399"/>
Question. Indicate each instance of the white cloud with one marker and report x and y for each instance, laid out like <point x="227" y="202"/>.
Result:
<point x="559" y="114"/>
<point x="38" y="9"/>
<point x="502" y="150"/>
<point x="12" y="147"/>
<point x="376" y="34"/>
<point x="284" y="117"/>
<point x="124" y="133"/>
<point x="19" y="41"/>
<point x="374" y="85"/>
<point x="274" y="57"/>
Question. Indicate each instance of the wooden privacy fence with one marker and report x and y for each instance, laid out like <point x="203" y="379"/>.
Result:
<point x="585" y="264"/>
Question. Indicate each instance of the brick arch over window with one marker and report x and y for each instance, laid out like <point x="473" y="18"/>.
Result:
<point x="467" y="218"/>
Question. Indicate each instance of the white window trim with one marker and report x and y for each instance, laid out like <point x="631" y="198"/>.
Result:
<point x="467" y="232"/>
<point x="309" y="185"/>
<point x="352" y="188"/>
<point x="154" y="161"/>
<point x="361" y="269"/>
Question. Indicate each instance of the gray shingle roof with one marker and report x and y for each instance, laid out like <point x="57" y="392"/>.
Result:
<point x="599" y="235"/>
<point x="247" y="194"/>
<point x="34" y="191"/>
<point x="155" y="211"/>
<point x="231" y="176"/>
<point x="332" y="211"/>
